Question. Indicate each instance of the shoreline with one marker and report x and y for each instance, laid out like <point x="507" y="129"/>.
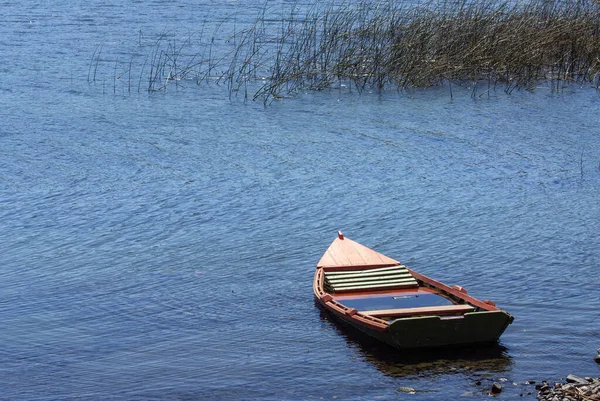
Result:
<point x="574" y="388"/>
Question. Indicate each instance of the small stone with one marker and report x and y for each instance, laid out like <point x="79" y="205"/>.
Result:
<point x="530" y="382"/>
<point x="408" y="390"/>
<point x="542" y="388"/>
<point x="496" y="388"/>
<point x="566" y="387"/>
<point x="576" y="379"/>
<point x="597" y="358"/>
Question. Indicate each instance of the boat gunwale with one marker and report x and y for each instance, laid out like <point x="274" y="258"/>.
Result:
<point x="352" y="314"/>
<point x="453" y="292"/>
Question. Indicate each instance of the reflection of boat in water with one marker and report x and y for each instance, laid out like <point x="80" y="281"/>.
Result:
<point x="491" y="358"/>
<point x="398" y="306"/>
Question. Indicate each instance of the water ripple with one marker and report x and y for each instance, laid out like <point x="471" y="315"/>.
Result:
<point x="162" y="247"/>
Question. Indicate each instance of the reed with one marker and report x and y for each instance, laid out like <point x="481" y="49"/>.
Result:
<point x="391" y="45"/>
<point x="387" y="44"/>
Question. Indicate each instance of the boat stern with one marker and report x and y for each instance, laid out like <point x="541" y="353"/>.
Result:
<point x="436" y="331"/>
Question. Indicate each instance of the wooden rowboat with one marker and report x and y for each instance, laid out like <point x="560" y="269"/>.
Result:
<point x="381" y="297"/>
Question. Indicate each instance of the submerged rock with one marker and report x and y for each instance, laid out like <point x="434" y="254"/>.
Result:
<point x="496" y="388"/>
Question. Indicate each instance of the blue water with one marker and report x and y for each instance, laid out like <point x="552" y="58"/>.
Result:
<point x="162" y="245"/>
<point x="393" y="302"/>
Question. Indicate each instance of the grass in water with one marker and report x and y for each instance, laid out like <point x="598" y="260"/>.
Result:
<point x="389" y="44"/>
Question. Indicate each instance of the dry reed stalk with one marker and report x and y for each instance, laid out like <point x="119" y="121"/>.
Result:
<point x="389" y="44"/>
<point x="382" y="44"/>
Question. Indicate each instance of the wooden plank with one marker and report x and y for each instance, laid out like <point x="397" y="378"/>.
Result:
<point x="345" y="252"/>
<point x="336" y="272"/>
<point x="371" y="283"/>
<point x="353" y="275"/>
<point x="372" y="287"/>
<point x="353" y="253"/>
<point x="371" y="280"/>
<point x="367" y="278"/>
<point x="334" y="255"/>
<point x="372" y="272"/>
<point x="425" y="310"/>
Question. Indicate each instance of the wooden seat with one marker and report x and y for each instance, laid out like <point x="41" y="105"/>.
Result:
<point x="372" y="279"/>
<point x="444" y="310"/>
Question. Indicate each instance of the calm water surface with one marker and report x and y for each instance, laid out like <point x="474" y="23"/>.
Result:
<point x="162" y="246"/>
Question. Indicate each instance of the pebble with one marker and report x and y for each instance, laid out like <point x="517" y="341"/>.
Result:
<point x="574" y="389"/>
<point x="408" y="390"/>
<point x="576" y="379"/>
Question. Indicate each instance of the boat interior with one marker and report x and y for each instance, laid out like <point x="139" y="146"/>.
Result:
<point x="389" y="293"/>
